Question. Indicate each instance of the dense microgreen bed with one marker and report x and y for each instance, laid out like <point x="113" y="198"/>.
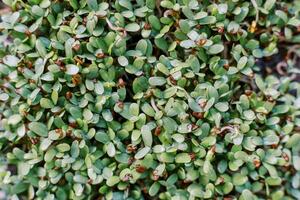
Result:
<point x="150" y="99"/>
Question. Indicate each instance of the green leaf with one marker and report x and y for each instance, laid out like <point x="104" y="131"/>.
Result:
<point x="4" y="97"/>
<point x="102" y="137"/>
<point x="294" y="22"/>
<point x="14" y="119"/>
<point x="93" y="4"/>
<point x="126" y="4"/>
<point x="75" y="112"/>
<point x="208" y="141"/>
<point x="19" y="187"/>
<point x="133" y="27"/>
<point x="142" y="153"/>
<point x="11" y="60"/>
<point x="113" y="180"/>
<point x="260" y="83"/>
<point x="72" y="69"/>
<point x="38" y="128"/>
<point x="269" y="4"/>
<point x="99" y="88"/>
<point x="40" y="48"/>
<point x="68" y="47"/>
<point x="208" y="20"/>
<point x="36" y="10"/>
<point x="222" y="106"/>
<point x="184" y="26"/>
<point x="87" y="114"/>
<point x="157" y="81"/>
<point x="281" y="109"/>
<point x="247" y="195"/>
<point x="106" y="114"/>
<point x="215" y="49"/>
<point x="63" y="147"/>
<point x="147" y="135"/>
<point x="49" y="155"/>
<point x="46" y="103"/>
<point x="222" y="8"/>
<point x="293" y="140"/>
<point x="140" y="84"/>
<point x="249" y="115"/>
<point x="273" y="181"/>
<point x="111" y="150"/>
<point x="187" y="44"/>
<point x="242" y="62"/>
<point x="271" y="139"/>
<point x="54" y="96"/>
<point x="154" y="189"/>
<point x="154" y="22"/>
<point x="239" y="179"/>
<point x="148" y="110"/>
<point x="281" y="15"/>
<point x="122" y="60"/>
<point x="161" y="43"/>
<point x="182" y="158"/>
<point x="74" y="4"/>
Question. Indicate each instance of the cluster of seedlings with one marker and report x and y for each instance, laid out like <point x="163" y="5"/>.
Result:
<point x="150" y="99"/>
